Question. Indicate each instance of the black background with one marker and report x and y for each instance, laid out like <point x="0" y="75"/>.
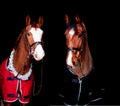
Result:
<point x="101" y="21"/>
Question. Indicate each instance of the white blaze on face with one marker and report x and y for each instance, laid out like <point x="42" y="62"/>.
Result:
<point x="71" y="32"/>
<point x="69" y="56"/>
<point x="69" y="59"/>
<point x="37" y="36"/>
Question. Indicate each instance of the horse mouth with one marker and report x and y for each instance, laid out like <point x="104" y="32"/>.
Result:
<point x="71" y="66"/>
<point x="38" y="57"/>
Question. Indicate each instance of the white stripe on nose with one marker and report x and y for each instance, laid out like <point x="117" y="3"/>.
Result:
<point x="69" y="59"/>
<point x="38" y="53"/>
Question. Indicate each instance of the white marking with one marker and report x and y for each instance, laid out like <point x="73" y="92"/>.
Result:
<point x="71" y="32"/>
<point x="37" y="34"/>
<point x="39" y="53"/>
<point x="69" y="59"/>
<point x="12" y="68"/>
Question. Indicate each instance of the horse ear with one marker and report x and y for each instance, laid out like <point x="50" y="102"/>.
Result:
<point x="28" y="19"/>
<point x="66" y="18"/>
<point x="77" y="18"/>
<point x="40" y="21"/>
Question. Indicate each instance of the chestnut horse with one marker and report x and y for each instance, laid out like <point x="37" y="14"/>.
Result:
<point x="16" y="77"/>
<point x="78" y="58"/>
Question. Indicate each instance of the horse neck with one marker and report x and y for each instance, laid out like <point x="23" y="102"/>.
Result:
<point x="22" y="59"/>
<point x="85" y="65"/>
<point x="86" y="58"/>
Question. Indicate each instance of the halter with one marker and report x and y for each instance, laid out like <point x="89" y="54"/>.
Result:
<point x="30" y="46"/>
<point x="83" y="37"/>
<point x="30" y="50"/>
<point x="10" y="65"/>
<point x="30" y="53"/>
<point x="81" y="47"/>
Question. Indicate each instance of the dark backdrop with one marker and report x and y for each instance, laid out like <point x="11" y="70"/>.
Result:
<point x="100" y="20"/>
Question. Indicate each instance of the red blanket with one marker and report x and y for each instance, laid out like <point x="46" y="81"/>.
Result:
<point x="9" y="85"/>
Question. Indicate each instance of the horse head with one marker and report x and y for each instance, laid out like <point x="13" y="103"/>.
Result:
<point x="78" y="58"/>
<point x="34" y="37"/>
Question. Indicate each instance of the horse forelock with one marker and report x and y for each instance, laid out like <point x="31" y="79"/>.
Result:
<point x="35" y="25"/>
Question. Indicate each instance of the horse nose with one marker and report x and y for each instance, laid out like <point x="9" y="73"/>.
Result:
<point x="39" y="57"/>
<point x="69" y="59"/>
<point x="38" y="53"/>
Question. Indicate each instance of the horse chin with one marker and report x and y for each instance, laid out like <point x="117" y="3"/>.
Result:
<point x="71" y="66"/>
<point x="38" y="57"/>
<point x="38" y="53"/>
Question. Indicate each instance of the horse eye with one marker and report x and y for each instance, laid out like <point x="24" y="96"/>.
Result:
<point x="28" y="34"/>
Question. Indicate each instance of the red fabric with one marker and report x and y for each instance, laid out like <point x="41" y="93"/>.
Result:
<point x="9" y="86"/>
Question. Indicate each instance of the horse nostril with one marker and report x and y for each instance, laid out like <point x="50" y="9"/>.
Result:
<point x="75" y="63"/>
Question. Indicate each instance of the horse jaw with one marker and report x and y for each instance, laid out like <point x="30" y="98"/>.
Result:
<point x="38" y="53"/>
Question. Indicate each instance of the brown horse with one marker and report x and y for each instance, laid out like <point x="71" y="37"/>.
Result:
<point x="16" y="78"/>
<point x="78" y="59"/>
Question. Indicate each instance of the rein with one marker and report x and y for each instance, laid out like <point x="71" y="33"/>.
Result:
<point x="41" y="82"/>
<point x="11" y="68"/>
<point x="28" y="45"/>
<point x="30" y="52"/>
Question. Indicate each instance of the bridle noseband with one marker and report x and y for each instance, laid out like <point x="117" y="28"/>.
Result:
<point x="31" y="45"/>
<point x="30" y="51"/>
<point x="81" y="47"/>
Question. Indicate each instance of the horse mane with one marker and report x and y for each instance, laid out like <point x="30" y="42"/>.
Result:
<point x="86" y="57"/>
<point x="19" y="38"/>
<point x="86" y="61"/>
